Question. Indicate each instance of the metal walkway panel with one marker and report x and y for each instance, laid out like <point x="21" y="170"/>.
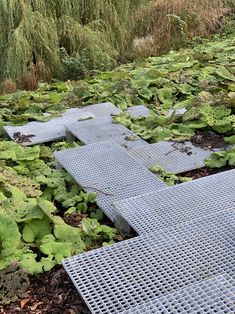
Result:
<point x="173" y="157"/>
<point x="106" y="168"/>
<point x="102" y="109"/>
<point x="127" y="274"/>
<point x="52" y="130"/>
<point x="215" y="295"/>
<point x="173" y="205"/>
<point x="103" y="129"/>
<point x="138" y="111"/>
<point x="177" y="111"/>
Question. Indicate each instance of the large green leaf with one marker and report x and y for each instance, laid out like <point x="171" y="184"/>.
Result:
<point x="36" y="229"/>
<point x="224" y="73"/>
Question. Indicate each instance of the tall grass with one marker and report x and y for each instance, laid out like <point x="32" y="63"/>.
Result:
<point x="102" y="31"/>
<point x="161" y="25"/>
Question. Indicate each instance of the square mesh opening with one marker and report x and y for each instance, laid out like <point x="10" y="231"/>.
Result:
<point x="109" y="170"/>
<point x="137" y="271"/>
<point x="173" y="157"/>
<point x="180" y="203"/>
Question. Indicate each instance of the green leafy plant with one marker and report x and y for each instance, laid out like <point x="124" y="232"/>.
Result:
<point x="75" y="67"/>
<point x="167" y="177"/>
<point x="221" y="159"/>
<point x="219" y="118"/>
<point x="32" y="193"/>
<point x="9" y="241"/>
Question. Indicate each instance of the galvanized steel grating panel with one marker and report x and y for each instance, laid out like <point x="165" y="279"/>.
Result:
<point x="102" y="109"/>
<point x="215" y="295"/>
<point x="52" y="130"/>
<point x="109" y="170"/>
<point x="103" y="129"/>
<point x="172" y="156"/>
<point x="138" y="111"/>
<point x="173" y="205"/>
<point x="177" y="111"/>
<point x="125" y="275"/>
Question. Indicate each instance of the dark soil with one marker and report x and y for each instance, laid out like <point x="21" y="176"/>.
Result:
<point x="209" y="140"/>
<point x="204" y="172"/>
<point x="22" y="138"/>
<point x="50" y="293"/>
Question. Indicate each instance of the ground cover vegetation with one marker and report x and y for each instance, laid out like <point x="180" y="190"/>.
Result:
<point x="35" y="198"/>
<point x="44" y="215"/>
<point x="69" y="39"/>
<point x="199" y="79"/>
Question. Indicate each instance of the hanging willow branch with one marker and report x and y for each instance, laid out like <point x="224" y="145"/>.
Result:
<point x="103" y="31"/>
<point x="35" y="30"/>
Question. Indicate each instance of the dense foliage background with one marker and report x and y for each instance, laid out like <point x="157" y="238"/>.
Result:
<point x="44" y="215"/>
<point x="67" y="38"/>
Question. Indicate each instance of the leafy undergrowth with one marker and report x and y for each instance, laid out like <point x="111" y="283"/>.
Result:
<point x="24" y="106"/>
<point x="200" y="79"/>
<point x="34" y="199"/>
<point x="44" y="215"/>
<point x="221" y="159"/>
<point x="168" y="177"/>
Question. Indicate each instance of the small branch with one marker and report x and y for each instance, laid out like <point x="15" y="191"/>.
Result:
<point x="171" y="151"/>
<point x="96" y="189"/>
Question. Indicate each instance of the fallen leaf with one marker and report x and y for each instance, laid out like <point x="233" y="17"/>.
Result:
<point x="24" y="302"/>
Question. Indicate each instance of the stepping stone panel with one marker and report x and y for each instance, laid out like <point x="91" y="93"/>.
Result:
<point x="130" y="273"/>
<point x="138" y="111"/>
<point x="103" y="109"/>
<point x="52" y="130"/>
<point x="109" y="170"/>
<point x="215" y="295"/>
<point x="173" y="157"/>
<point x="178" y="112"/>
<point x="174" y="205"/>
<point x="103" y="129"/>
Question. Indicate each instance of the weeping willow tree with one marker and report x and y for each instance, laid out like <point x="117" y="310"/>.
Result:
<point x="32" y="32"/>
<point x="35" y="30"/>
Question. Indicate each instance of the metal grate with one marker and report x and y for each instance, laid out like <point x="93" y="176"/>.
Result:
<point x="52" y="130"/>
<point x="125" y="275"/>
<point x="109" y="170"/>
<point x="215" y="295"/>
<point x="102" y="109"/>
<point x="138" y="111"/>
<point x="102" y="129"/>
<point x="174" y="205"/>
<point x="174" y="157"/>
<point x="177" y="111"/>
